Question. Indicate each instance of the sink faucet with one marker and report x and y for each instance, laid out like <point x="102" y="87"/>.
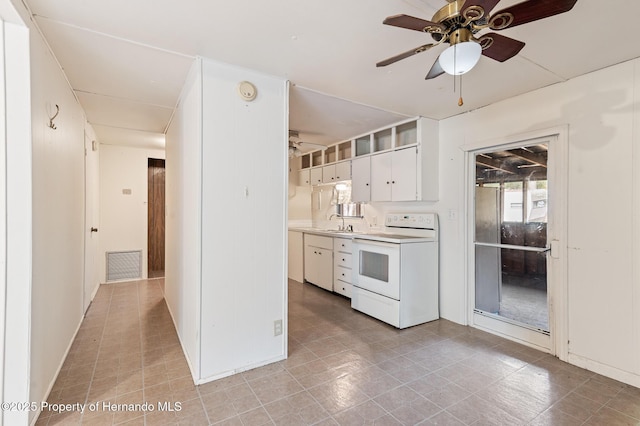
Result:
<point x="340" y="228"/>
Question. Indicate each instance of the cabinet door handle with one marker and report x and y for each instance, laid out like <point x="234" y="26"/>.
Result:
<point x="367" y="184"/>
<point x="393" y="181"/>
<point x="387" y="182"/>
<point x="343" y="274"/>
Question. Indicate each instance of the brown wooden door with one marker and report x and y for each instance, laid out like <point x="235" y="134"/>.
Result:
<point x="155" y="233"/>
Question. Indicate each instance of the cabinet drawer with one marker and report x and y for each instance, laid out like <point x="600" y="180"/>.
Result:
<point x="343" y="259"/>
<point x="318" y="241"/>
<point x="342" y="288"/>
<point x="342" y="244"/>
<point x="343" y="274"/>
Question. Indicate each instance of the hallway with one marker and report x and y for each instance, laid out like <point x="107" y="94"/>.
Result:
<point x="343" y="368"/>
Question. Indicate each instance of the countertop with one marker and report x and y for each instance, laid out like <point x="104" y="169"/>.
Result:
<point x="375" y="235"/>
<point x="326" y="232"/>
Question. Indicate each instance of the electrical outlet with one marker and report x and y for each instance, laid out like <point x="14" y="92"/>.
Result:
<point x="277" y="327"/>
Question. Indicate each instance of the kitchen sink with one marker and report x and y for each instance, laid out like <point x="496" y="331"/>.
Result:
<point x="327" y="231"/>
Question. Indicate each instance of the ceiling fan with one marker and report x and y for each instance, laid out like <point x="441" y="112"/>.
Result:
<point x="457" y="24"/>
<point x="295" y="143"/>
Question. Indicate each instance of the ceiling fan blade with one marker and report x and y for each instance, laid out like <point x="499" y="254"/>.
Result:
<point x="404" y="55"/>
<point x="315" y="145"/>
<point x="499" y="47"/>
<point x="533" y="10"/>
<point x="413" y="23"/>
<point x="435" y="70"/>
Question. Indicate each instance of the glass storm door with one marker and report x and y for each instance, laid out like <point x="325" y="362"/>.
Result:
<point x="510" y="241"/>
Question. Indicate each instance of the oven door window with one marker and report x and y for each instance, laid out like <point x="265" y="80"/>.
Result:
<point x="378" y="268"/>
<point x="374" y="265"/>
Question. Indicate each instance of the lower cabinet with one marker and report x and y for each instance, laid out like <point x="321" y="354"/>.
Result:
<point x="342" y="266"/>
<point x="318" y="260"/>
<point x="296" y="247"/>
<point x="327" y="263"/>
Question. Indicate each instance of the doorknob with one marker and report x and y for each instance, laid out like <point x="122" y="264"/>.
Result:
<point x="94" y="229"/>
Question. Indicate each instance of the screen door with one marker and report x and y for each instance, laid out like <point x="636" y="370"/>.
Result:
<point x="510" y="236"/>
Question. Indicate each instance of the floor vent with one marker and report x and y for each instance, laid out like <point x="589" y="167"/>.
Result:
<point x="124" y="265"/>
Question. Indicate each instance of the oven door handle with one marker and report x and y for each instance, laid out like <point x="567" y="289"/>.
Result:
<point x="362" y="241"/>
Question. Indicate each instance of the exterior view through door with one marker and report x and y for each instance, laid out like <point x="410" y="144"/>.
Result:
<point x="511" y="203"/>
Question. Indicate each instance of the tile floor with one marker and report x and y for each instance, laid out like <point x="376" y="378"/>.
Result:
<point x="343" y="368"/>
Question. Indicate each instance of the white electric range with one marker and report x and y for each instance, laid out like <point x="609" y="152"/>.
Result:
<point x="396" y="270"/>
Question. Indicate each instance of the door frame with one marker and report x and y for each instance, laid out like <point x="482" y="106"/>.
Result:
<point x="557" y="170"/>
<point x="91" y="220"/>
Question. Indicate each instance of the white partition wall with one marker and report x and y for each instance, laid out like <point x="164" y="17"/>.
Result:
<point x="183" y="183"/>
<point x="15" y="231"/>
<point x="226" y="190"/>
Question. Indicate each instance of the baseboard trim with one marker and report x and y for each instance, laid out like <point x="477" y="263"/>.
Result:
<point x="605" y="370"/>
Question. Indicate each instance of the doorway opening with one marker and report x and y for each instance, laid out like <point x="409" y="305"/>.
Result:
<point x="155" y="217"/>
<point x="511" y="235"/>
<point x="516" y="260"/>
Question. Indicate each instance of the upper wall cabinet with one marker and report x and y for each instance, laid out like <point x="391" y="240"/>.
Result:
<point x="404" y="155"/>
<point x="394" y="175"/>
<point x="360" y="179"/>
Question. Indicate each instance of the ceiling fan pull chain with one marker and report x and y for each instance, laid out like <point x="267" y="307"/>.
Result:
<point x="460" y="102"/>
<point x="454" y="68"/>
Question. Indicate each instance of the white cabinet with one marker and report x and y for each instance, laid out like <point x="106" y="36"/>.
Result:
<point x="404" y="175"/>
<point x="336" y="172"/>
<point x="407" y="155"/>
<point x="394" y="175"/>
<point x="304" y="177"/>
<point x="295" y="264"/>
<point x="318" y="260"/>
<point x="360" y="176"/>
<point x="343" y="171"/>
<point x="381" y="177"/>
<point x="342" y="266"/>
<point x="329" y="173"/>
<point x="315" y="176"/>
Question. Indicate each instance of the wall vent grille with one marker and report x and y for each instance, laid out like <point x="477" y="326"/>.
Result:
<point x="123" y="265"/>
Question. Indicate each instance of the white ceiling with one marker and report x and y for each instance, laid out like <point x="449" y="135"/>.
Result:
<point x="127" y="60"/>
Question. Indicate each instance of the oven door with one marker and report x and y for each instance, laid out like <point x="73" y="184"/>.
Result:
<point x="377" y="267"/>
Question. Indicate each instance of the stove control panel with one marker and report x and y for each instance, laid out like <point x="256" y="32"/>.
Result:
<point x="411" y="220"/>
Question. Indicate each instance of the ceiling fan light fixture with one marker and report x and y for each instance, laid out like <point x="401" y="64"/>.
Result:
<point x="460" y="58"/>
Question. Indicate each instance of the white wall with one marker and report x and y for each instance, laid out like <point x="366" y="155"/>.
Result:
<point x="604" y="195"/>
<point x="57" y="220"/>
<point x="15" y="212"/>
<point x="123" y="217"/>
<point x="244" y="173"/>
<point x="299" y="196"/>
<point x="232" y="222"/>
<point x="183" y="186"/>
